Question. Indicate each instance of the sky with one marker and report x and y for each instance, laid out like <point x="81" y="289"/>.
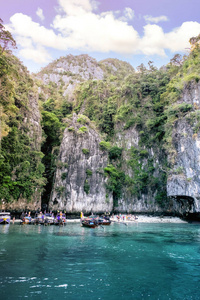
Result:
<point x="136" y="31"/>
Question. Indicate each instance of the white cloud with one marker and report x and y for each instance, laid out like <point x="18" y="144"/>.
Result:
<point x="23" y="26"/>
<point x="97" y="32"/>
<point x="38" y="54"/>
<point x="178" y="39"/>
<point x="150" y="19"/>
<point x="40" y="14"/>
<point x="26" y="42"/>
<point x="79" y="28"/>
<point x="128" y="14"/>
<point x="76" y="7"/>
<point x="153" y="41"/>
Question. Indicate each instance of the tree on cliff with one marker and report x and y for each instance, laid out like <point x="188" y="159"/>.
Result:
<point x="6" y="39"/>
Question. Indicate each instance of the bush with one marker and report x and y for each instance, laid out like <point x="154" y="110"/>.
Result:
<point x="133" y="120"/>
<point x="83" y="119"/>
<point x="176" y="109"/>
<point x="64" y="176"/>
<point x="60" y="190"/>
<point x="86" y="187"/>
<point x="82" y="129"/>
<point x="104" y="145"/>
<point x="115" y="152"/>
<point x="85" y="151"/>
<point x="89" y="172"/>
<point x="115" y="182"/>
<point x="71" y="129"/>
<point x="60" y="164"/>
<point x="144" y="153"/>
<point x="191" y="77"/>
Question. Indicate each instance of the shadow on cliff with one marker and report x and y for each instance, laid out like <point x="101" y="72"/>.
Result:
<point x="185" y="208"/>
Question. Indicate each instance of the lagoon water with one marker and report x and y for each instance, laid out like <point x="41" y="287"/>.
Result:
<point x="138" y="261"/>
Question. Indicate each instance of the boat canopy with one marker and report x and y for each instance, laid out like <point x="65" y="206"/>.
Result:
<point x="4" y="214"/>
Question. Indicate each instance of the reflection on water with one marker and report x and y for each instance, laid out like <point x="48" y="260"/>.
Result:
<point x="143" y="261"/>
<point x="4" y="228"/>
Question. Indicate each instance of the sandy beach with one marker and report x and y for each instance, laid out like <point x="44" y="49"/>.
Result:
<point x="150" y="219"/>
<point x="139" y="219"/>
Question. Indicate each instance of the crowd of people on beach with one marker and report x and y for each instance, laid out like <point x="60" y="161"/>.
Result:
<point x="118" y="217"/>
<point x="121" y="217"/>
<point x="42" y="218"/>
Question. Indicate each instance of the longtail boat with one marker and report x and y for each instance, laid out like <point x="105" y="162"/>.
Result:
<point x="27" y="220"/>
<point x="60" y="219"/>
<point x="4" y="218"/>
<point x="39" y="219"/>
<point x="104" y="221"/>
<point x="89" y="222"/>
<point x="48" y="219"/>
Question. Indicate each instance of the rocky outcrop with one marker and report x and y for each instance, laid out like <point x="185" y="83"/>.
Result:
<point x="31" y="124"/>
<point x="75" y="190"/>
<point x="144" y="202"/>
<point x="88" y="178"/>
<point x="183" y="184"/>
<point x="23" y="205"/>
<point x="32" y="119"/>
<point x="184" y="180"/>
<point x="67" y="72"/>
<point x="79" y="183"/>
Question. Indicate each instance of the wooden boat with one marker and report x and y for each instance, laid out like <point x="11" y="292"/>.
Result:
<point x="39" y="219"/>
<point x="88" y="222"/>
<point x="5" y="218"/>
<point x="104" y="221"/>
<point x="27" y="220"/>
<point x="60" y="219"/>
<point x="48" y="219"/>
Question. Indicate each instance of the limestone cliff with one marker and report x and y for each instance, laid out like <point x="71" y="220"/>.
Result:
<point x="65" y="73"/>
<point x="183" y="184"/>
<point x="139" y="176"/>
<point x="113" y="139"/>
<point x="79" y="183"/>
<point x="21" y="169"/>
<point x="119" y="185"/>
<point x="143" y="201"/>
<point x="32" y="125"/>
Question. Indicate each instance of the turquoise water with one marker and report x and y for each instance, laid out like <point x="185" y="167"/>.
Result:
<point x="138" y="261"/>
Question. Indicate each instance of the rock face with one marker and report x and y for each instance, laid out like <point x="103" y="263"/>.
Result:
<point x="32" y="122"/>
<point x="79" y="181"/>
<point x="23" y="205"/>
<point x="145" y="202"/>
<point x="71" y="70"/>
<point x="183" y="184"/>
<point x="81" y="165"/>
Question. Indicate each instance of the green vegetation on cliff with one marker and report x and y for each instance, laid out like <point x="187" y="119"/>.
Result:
<point x="21" y="169"/>
<point x="118" y="102"/>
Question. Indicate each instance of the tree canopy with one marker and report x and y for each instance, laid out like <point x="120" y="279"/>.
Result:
<point x="6" y="39"/>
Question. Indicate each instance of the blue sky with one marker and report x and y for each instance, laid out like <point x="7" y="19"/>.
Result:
<point x="135" y="31"/>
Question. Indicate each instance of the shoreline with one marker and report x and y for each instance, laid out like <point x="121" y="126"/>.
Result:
<point x="139" y="219"/>
<point x="150" y="219"/>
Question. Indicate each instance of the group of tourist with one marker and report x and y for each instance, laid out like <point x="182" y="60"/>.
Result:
<point x="128" y="217"/>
